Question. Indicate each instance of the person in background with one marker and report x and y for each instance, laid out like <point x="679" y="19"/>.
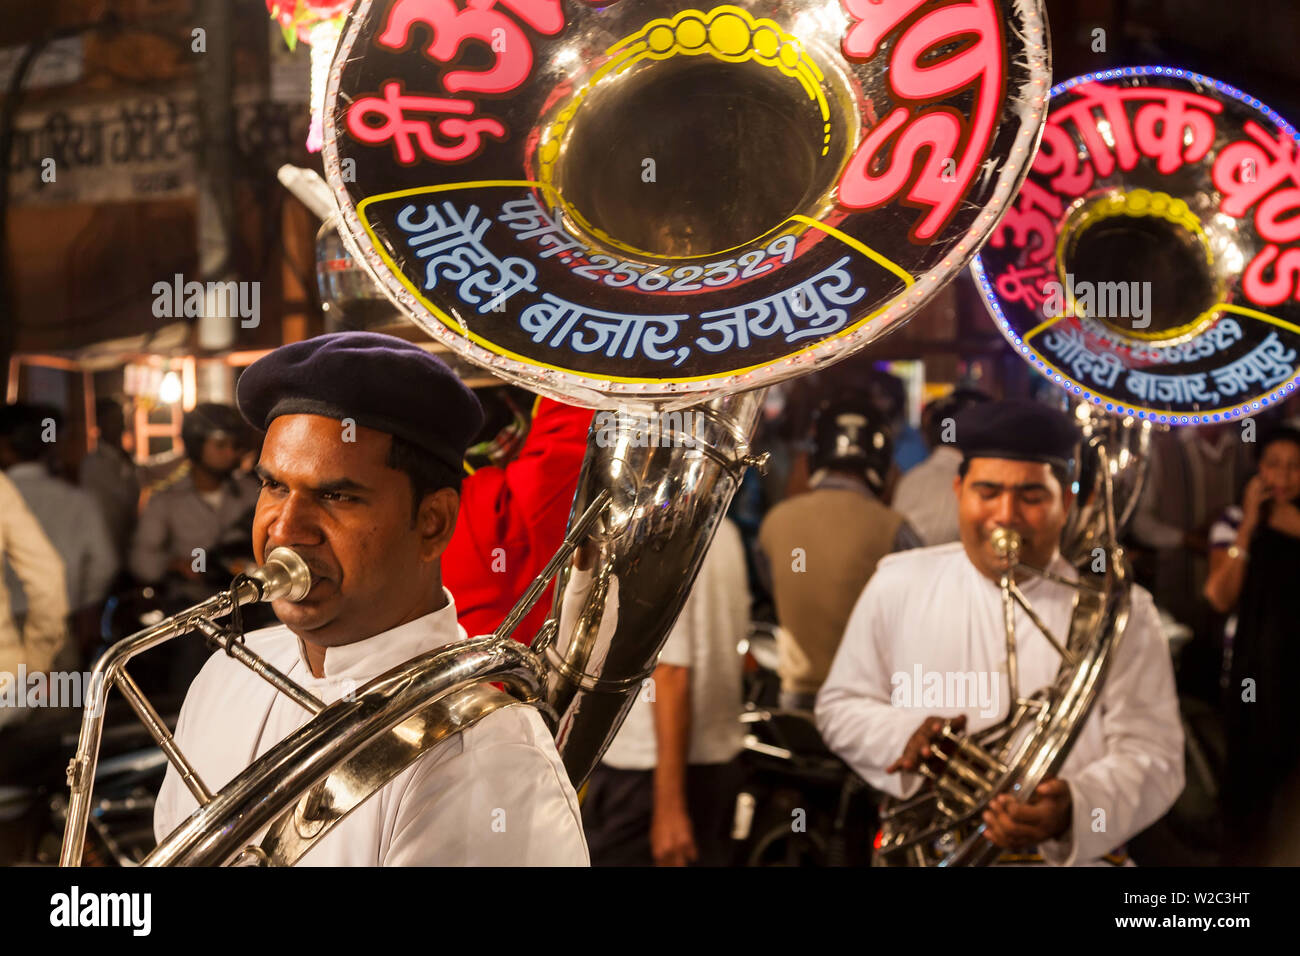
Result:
<point x="109" y="474"/>
<point x="855" y="377"/>
<point x="514" y="509"/>
<point x="1195" y="473"/>
<point x="35" y="640"/>
<point x="821" y="547"/>
<point x="69" y="516"/>
<point x="1255" y="574"/>
<point x="890" y="395"/>
<point x="924" y="495"/>
<point x="193" y="535"/>
<point x="664" y="792"/>
<point x="191" y="519"/>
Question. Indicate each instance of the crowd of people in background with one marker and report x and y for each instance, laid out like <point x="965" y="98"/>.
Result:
<point x="182" y="535"/>
<point x="1216" y="537"/>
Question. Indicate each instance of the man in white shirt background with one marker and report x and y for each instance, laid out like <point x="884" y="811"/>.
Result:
<point x="360" y="468"/>
<point x="924" y="493"/>
<point x="193" y="533"/>
<point x="33" y="641"/>
<point x="69" y="516"/>
<point x="939" y="610"/>
<point x="664" y="792"/>
<point x="109" y="474"/>
<point x="197" y="511"/>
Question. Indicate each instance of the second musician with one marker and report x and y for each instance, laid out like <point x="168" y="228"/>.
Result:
<point x="926" y="642"/>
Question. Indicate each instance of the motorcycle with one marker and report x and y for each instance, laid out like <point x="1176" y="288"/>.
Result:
<point x="33" y="804"/>
<point x="799" y="805"/>
<point x="34" y="758"/>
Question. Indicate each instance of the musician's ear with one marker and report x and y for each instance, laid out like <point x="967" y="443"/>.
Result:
<point x="436" y="521"/>
<point x="1066" y="479"/>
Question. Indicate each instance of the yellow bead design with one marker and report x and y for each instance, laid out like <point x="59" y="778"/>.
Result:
<point x="726" y="33"/>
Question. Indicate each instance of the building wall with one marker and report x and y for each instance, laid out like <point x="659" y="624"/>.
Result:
<point x="103" y="185"/>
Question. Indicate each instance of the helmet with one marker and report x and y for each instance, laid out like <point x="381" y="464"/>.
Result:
<point x="208" y="419"/>
<point x="850" y="434"/>
<point x="941" y="410"/>
<point x="506" y="420"/>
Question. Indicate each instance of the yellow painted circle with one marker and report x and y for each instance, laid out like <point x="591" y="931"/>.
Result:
<point x="690" y="34"/>
<point x="766" y="41"/>
<point x="729" y="34"/>
<point x="790" y="55"/>
<point x="549" y="150"/>
<point x="660" y="39"/>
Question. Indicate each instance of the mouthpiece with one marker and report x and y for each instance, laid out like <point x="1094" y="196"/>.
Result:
<point x="1006" y="544"/>
<point x="284" y="576"/>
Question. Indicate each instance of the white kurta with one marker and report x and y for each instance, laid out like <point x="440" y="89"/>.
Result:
<point x="494" y="795"/>
<point x="930" y="611"/>
<point x="713" y="622"/>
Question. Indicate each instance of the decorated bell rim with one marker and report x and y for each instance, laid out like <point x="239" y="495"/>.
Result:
<point x="1197" y="196"/>
<point x="827" y="256"/>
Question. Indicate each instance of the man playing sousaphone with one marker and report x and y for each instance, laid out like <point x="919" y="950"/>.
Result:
<point x="360" y="472"/>
<point x="929" y="627"/>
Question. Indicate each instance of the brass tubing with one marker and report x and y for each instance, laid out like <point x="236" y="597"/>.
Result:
<point x="1066" y="655"/>
<point x="976" y="781"/>
<point x="81" y="769"/>
<point x="295" y="692"/>
<point x="567" y="547"/>
<point x="1009" y="622"/>
<point x="158" y="730"/>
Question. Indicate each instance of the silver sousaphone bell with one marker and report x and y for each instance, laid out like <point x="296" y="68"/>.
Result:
<point x="639" y="207"/>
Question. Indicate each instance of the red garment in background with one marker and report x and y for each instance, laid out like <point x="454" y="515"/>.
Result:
<point x="523" y="509"/>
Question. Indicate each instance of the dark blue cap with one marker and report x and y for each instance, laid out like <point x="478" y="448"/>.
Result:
<point x="1022" y="430"/>
<point x="378" y="381"/>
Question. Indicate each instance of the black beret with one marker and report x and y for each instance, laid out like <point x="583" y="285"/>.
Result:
<point x="378" y="381"/>
<point x="1022" y="430"/>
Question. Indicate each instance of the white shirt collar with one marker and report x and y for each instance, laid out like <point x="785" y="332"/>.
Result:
<point x="368" y="658"/>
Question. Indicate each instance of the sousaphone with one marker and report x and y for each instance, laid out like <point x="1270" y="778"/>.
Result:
<point x="638" y="207"/>
<point x="1150" y="268"/>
